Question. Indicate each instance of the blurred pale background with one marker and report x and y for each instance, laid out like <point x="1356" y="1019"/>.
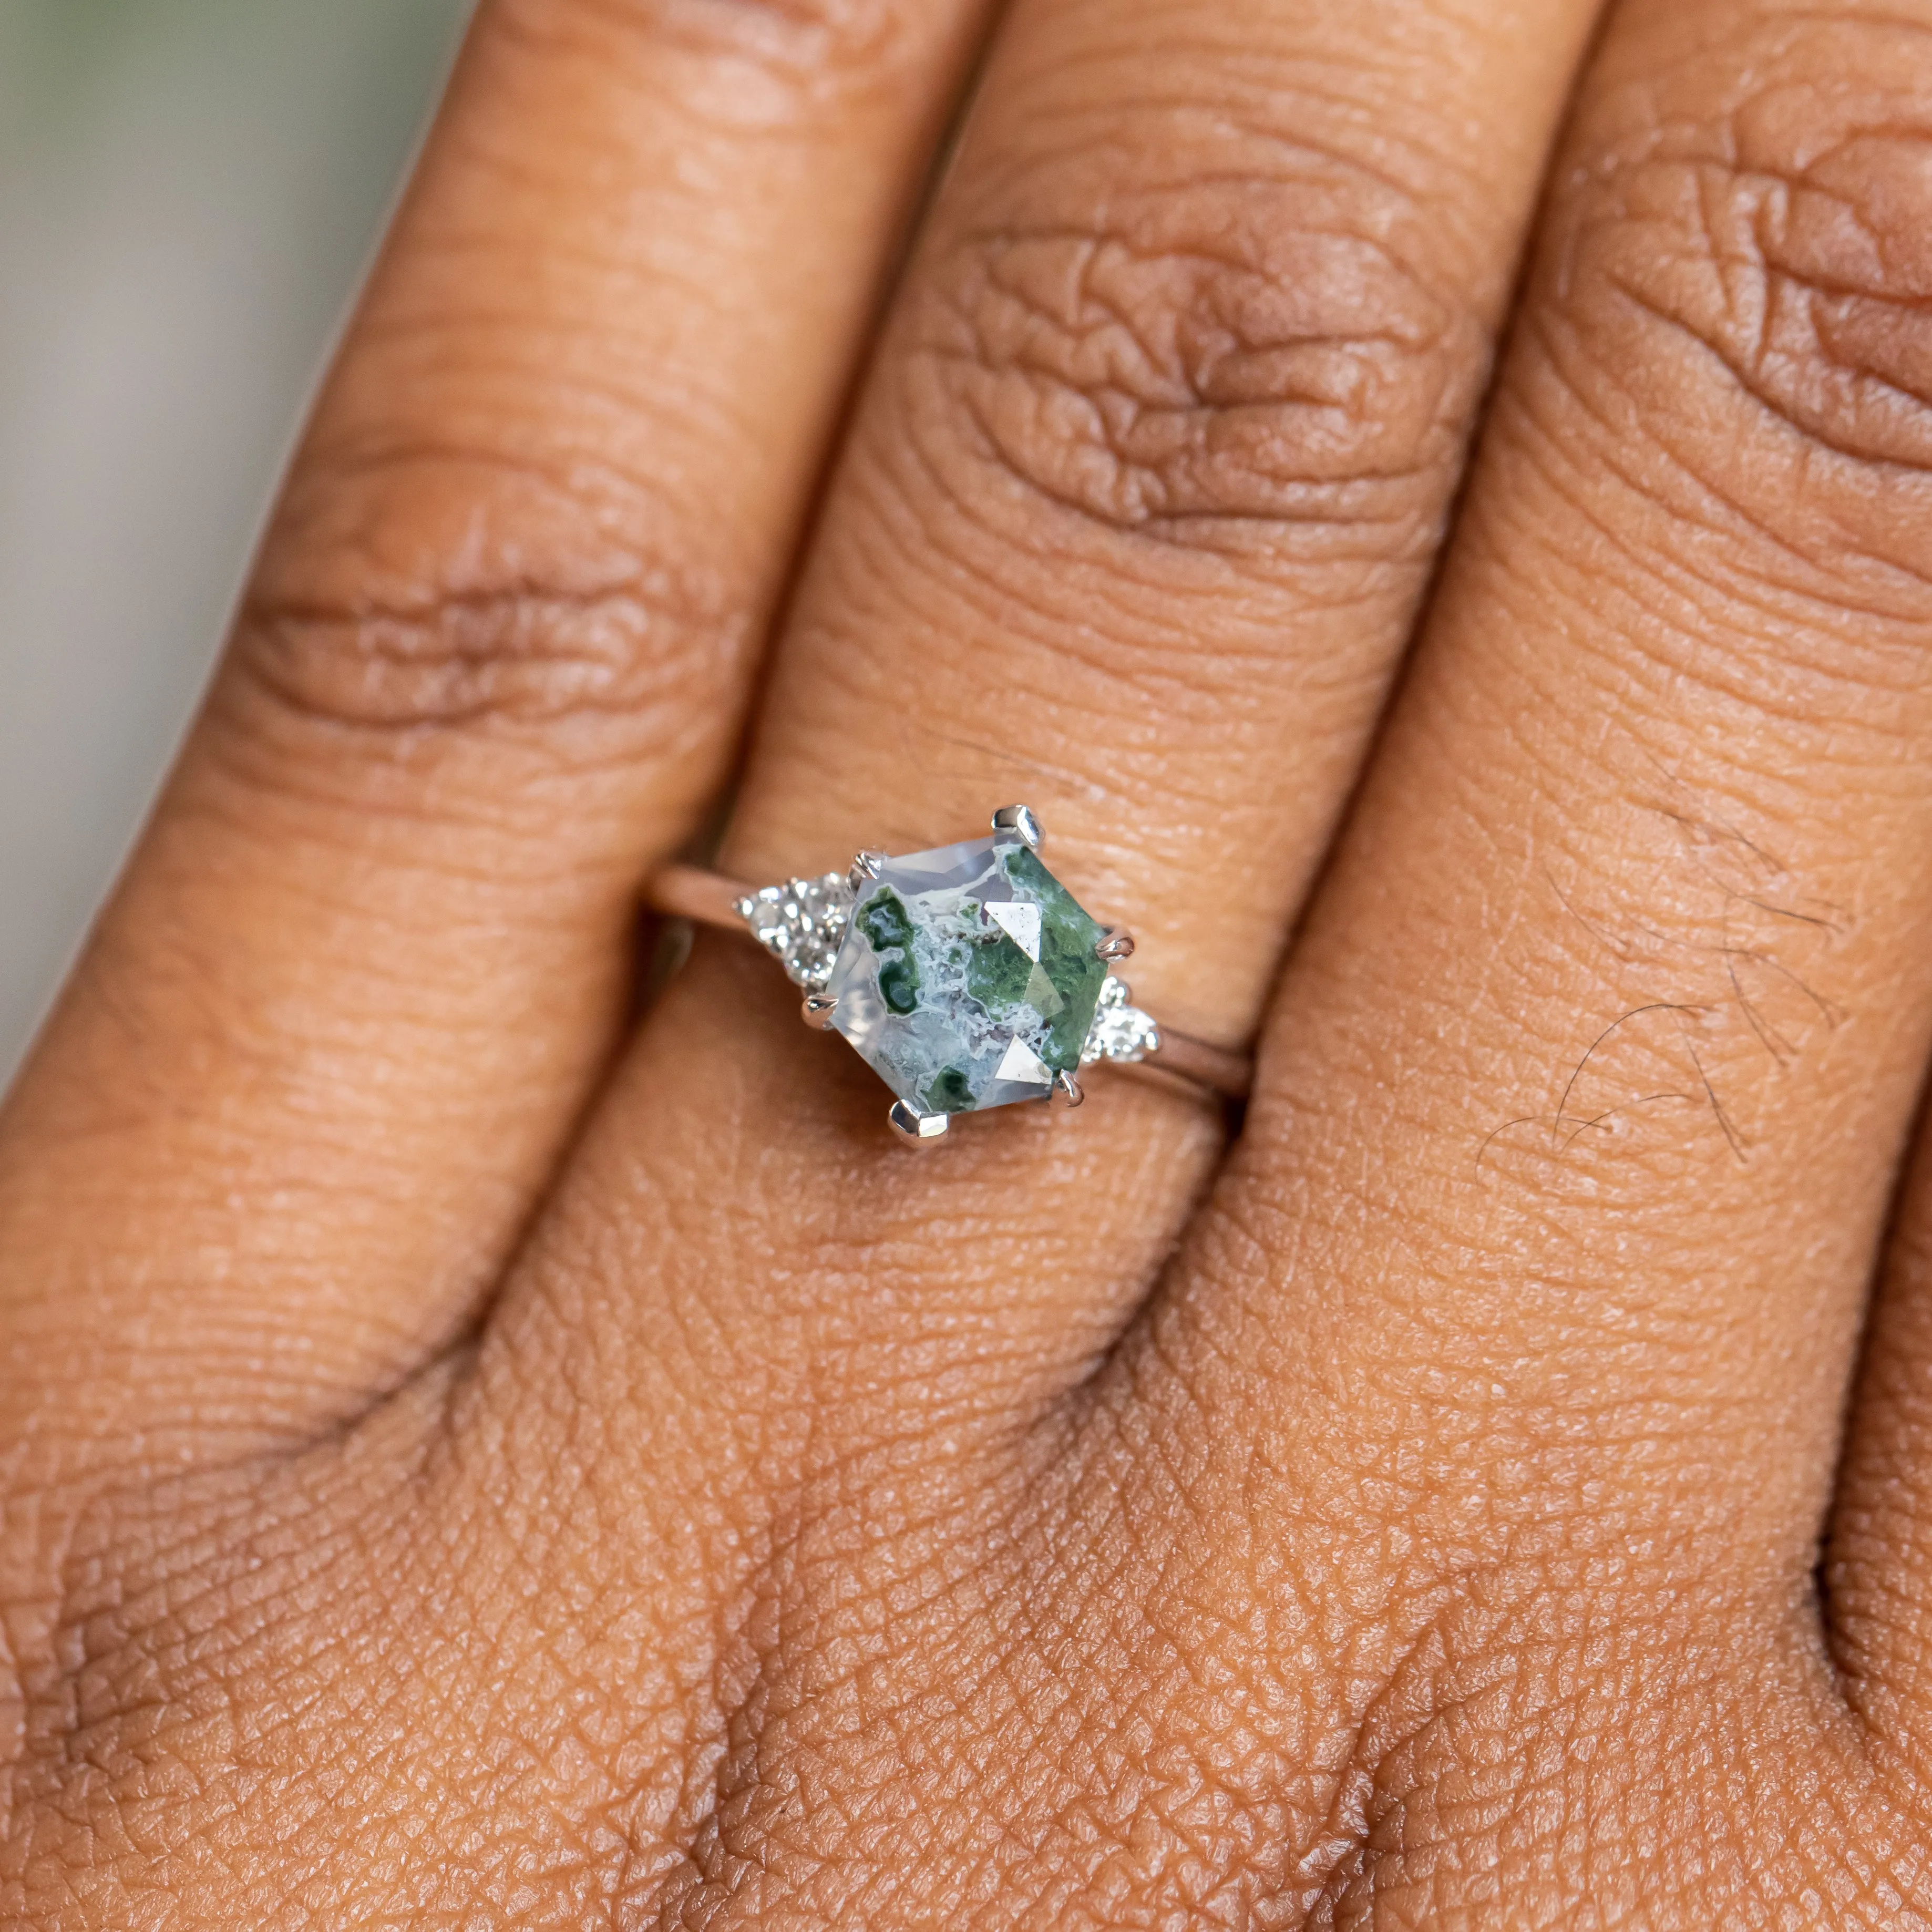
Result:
<point x="189" y="192"/>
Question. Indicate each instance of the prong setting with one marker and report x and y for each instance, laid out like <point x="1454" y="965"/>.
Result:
<point x="865" y="867"/>
<point x="918" y="1130"/>
<point x="1023" y="822"/>
<point x="1066" y="1093"/>
<point x="818" y="1010"/>
<point x="1118" y="944"/>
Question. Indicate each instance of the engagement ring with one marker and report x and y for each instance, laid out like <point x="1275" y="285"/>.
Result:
<point x="966" y="977"/>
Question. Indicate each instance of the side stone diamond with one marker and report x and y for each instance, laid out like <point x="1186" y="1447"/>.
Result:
<point x="1121" y="1030"/>
<point x="801" y="924"/>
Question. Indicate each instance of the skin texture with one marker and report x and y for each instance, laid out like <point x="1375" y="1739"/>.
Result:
<point x="473" y="1453"/>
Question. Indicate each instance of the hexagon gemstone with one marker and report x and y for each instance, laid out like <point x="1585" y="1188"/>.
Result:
<point x="967" y="978"/>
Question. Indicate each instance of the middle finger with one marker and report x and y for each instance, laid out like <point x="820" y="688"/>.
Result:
<point x="1139" y="509"/>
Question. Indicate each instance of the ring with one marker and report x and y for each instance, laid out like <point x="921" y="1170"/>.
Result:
<point x="966" y="977"/>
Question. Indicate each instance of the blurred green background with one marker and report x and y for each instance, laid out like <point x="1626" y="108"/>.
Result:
<point x="189" y="191"/>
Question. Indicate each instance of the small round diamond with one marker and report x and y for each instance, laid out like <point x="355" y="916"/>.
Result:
<point x="1121" y="1030"/>
<point x="801" y="923"/>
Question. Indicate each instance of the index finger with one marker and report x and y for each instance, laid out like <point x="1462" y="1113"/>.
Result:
<point x="316" y="1064"/>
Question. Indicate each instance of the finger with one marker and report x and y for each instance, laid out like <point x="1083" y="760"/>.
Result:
<point x="1579" y="1117"/>
<point x="1139" y="504"/>
<point x="1876" y="1573"/>
<point x="782" y="1358"/>
<point x="321" y="1052"/>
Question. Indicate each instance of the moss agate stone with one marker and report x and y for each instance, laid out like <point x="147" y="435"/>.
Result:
<point x="967" y="978"/>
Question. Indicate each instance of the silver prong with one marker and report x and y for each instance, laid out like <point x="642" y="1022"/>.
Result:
<point x="818" y="1010"/>
<point x="1020" y="819"/>
<point x="1067" y="1092"/>
<point x="920" y="1129"/>
<point x="1118" y="944"/>
<point x="866" y="866"/>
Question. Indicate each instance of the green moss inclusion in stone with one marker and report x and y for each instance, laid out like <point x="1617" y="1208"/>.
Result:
<point x="888" y="929"/>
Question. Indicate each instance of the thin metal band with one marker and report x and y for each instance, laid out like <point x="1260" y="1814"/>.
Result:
<point x="709" y="898"/>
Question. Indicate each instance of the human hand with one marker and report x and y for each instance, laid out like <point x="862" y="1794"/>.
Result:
<point x="473" y="1459"/>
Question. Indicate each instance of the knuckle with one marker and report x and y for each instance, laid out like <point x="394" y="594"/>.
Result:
<point x="424" y="593"/>
<point x="1255" y="351"/>
<point x="1742" y="244"/>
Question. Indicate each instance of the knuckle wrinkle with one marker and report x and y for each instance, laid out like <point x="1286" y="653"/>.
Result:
<point x="1755" y="223"/>
<point x="1209" y="356"/>
<point x="424" y="593"/>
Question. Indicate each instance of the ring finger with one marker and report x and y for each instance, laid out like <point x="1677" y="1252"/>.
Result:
<point x="1133" y="525"/>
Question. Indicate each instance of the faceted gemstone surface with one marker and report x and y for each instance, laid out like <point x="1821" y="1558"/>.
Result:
<point x="967" y="978"/>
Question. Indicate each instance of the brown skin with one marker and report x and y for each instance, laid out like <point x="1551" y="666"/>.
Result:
<point x="470" y="1460"/>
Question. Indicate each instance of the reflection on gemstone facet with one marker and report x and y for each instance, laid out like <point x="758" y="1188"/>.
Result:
<point x="968" y="976"/>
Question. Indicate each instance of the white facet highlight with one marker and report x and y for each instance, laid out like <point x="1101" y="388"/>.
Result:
<point x="1021" y="1065"/>
<point x="1020" y="922"/>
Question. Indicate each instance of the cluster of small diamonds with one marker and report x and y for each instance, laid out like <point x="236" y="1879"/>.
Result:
<point x="1121" y="1030"/>
<point x="801" y="924"/>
